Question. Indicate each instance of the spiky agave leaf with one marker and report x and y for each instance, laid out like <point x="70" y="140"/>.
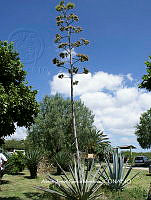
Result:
<point x="115" y="177"/>
<point x="77" y="185"/>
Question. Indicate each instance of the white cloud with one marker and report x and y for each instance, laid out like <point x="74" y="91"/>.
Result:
<point x="129" y="76"/>
<point x="20" y="133"/>
<point x="87" y="83"/>
<point x="126" y="95"/>
<point x="117" y="106"/>
<point x="126" y="140"/>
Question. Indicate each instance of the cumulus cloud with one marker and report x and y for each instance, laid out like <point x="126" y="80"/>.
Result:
<point x="116" y="105"/>
<point x="87" y="83"/>
<point x="20" y="133"/>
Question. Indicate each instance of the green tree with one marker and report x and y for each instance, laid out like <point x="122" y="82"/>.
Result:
<point x="53" y="125"/>
<point x="17" y="99"/>
<point x="143" y="130"/>
<point x="66" y="44"/>
<point x="146" y="83"/>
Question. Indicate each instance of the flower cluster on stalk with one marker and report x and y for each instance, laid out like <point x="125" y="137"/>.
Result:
<point x="65" y="22"/>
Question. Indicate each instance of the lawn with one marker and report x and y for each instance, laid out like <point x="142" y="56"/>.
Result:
<point x="20" y="187"/>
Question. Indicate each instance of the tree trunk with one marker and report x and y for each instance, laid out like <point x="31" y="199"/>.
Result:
<point x="33" y="172"/>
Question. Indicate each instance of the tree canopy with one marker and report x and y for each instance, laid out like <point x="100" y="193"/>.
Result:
<point x="17" y="99"/>
<point x="143" y="130"/>
<point x="146" y="83"/>
<point x="52" y="130"/>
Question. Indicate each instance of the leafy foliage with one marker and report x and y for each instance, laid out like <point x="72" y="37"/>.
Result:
<point x="115" y="176"/>
<point x="14" y="144"/>
<point x="143" y="130"/>
<point x="134" y="154"/>
<point x="16" y="97"/>
<point x="95" y="141"/>
<point x="146" y="83"/>
<point x="15" y="163"/>
<point x="52" y="130"/>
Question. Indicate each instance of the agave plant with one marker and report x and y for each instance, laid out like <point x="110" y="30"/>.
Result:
<point x="79" y="184"/>
<point x="32" y="158"/>
<point x="64" y="159"/>
<point x="115" y="176"/>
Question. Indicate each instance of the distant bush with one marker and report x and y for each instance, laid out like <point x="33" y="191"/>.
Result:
<point x="15" y="164"/>
<point x="134" y="154"/>
<point x="14" y="144"/>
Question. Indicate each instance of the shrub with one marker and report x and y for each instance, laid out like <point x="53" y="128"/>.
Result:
<point x="15" y="164"/>
<point x="135" y="154"/>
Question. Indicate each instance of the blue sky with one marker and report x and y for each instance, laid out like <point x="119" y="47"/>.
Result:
<point x="119" y="34"/>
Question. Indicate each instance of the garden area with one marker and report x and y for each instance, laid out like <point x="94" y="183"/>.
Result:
<point x="21" y="187"/>
<point x="31" y="176"/>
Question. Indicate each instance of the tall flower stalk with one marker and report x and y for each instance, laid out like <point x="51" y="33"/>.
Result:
<point x="66" y="24"/>
<point x="81" y="184"/>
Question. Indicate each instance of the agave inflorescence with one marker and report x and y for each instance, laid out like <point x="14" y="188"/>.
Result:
<point x="115" y="176"/>
<point x="79" y="184"/>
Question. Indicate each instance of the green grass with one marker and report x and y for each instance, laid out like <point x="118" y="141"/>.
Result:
<point x="20" y="187"/>
<point x="136" y="190"/>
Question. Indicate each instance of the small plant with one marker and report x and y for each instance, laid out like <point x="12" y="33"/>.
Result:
<point x="79" y="184"/>
<point x="115" y="176"/>
<point x="32" y="158"/>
